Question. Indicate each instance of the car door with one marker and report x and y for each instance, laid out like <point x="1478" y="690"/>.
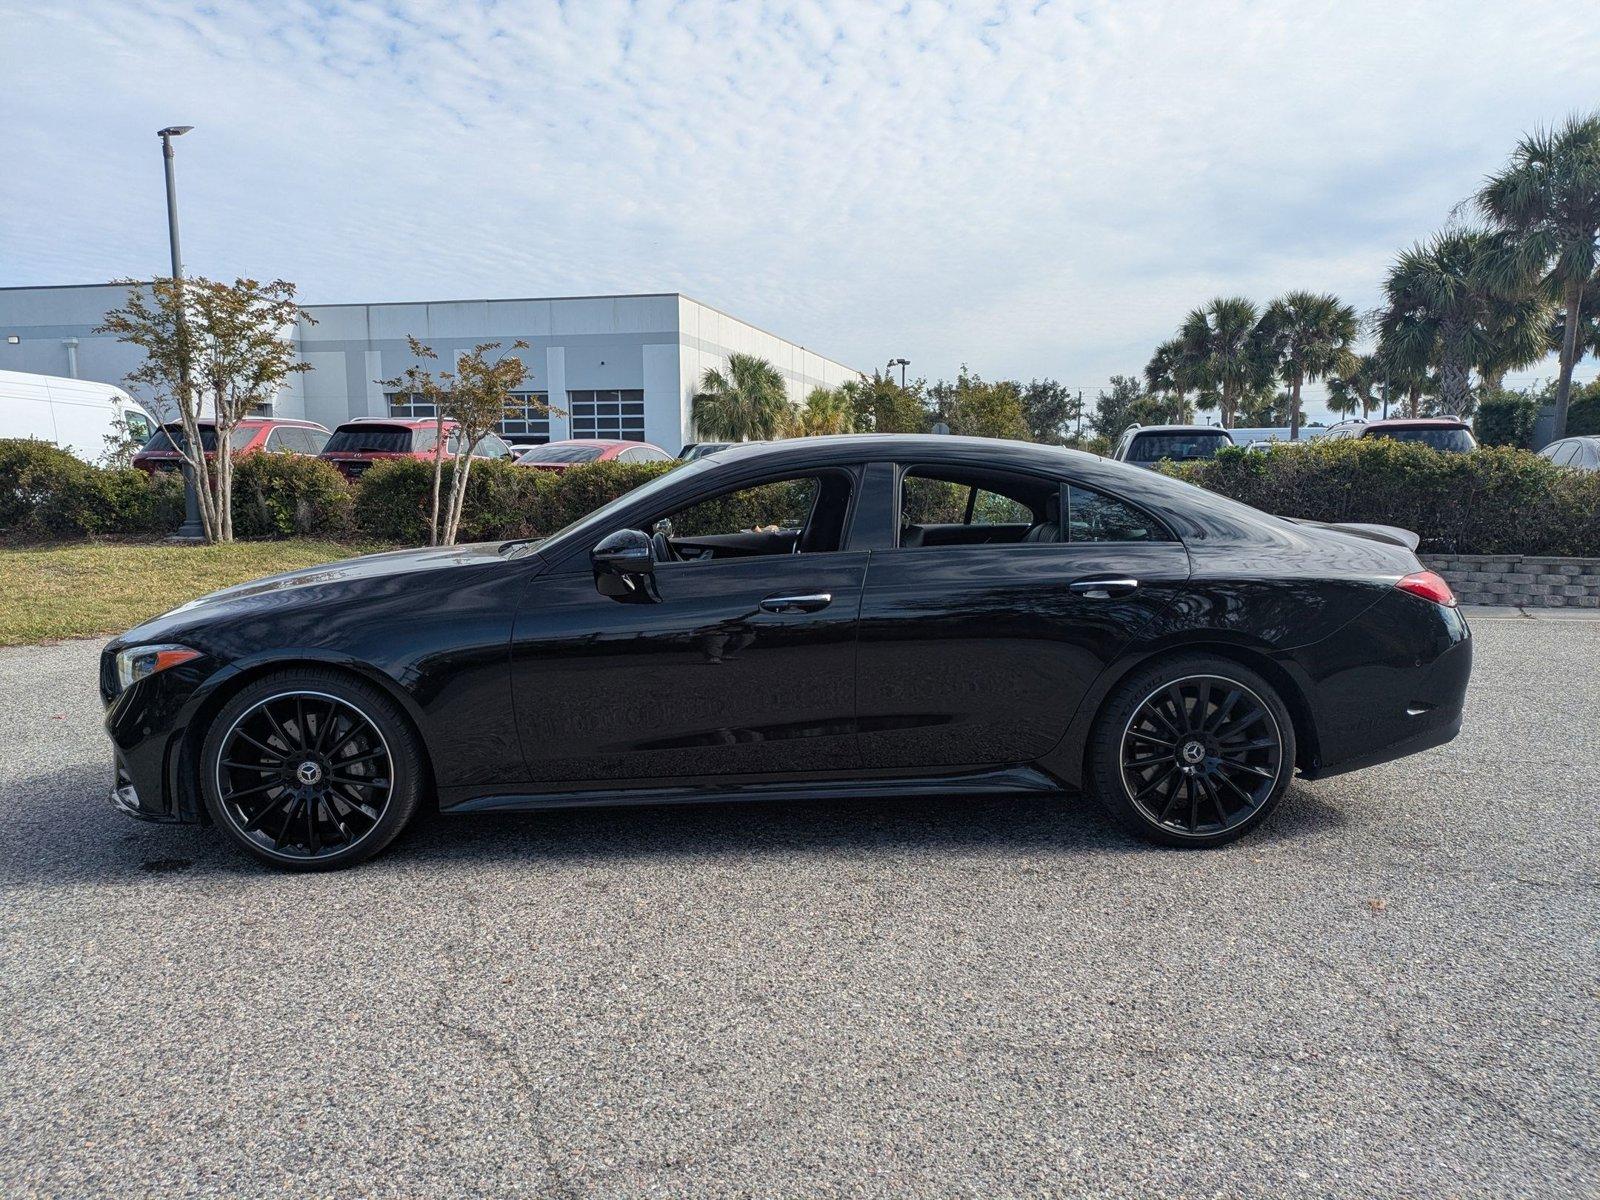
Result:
<point x="977" y="655"/>
<point x="734" y="658"/>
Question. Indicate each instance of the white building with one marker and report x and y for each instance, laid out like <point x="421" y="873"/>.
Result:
<point x="617" y="366"/>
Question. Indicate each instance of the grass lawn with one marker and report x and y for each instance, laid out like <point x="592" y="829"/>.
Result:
<point x="87" y="589"/>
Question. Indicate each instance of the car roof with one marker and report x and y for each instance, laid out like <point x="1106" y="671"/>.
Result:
<point x="1179" y="429"/>
<point x="1417" y="422"/>
<point x="402" y="422"/>
<point x="594" y="442"/>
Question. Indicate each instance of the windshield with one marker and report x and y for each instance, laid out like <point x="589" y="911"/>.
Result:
<point x="557" y="453"/>
<point x="1179" y="447"/>
<point x="1451" y="441"/>
<point x="171" y="438"/>
<point x="362" y="439"/>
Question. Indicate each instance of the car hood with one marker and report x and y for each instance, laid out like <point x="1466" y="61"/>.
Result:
<point x="334" y="580"/>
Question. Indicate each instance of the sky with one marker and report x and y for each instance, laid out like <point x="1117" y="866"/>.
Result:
<point x="1036" y="189"/>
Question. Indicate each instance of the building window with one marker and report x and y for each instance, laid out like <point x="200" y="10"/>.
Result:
<point x="410" y="406"/>
<point x="618" y="416"/>
<point x="527" y="417"/>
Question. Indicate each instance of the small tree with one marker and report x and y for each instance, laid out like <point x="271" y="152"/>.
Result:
<point x="979" y="408"/>
<point x="210" y="345"/>
<point x="826" y="410"/>
<point x="883" y="406"/>
<point x="1309" y="337"/>
<point x="472" y="400"/>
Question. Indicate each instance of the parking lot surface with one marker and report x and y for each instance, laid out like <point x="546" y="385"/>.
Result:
<point x="1391" y="989"/>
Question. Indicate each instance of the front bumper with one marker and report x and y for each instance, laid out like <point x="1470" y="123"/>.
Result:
<point x="155" y="773"/>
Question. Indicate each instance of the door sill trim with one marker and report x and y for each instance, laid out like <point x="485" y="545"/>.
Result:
<point x="1018" y="780"/>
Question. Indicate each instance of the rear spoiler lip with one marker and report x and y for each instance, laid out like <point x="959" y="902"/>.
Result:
<point x="1391" y="534"/>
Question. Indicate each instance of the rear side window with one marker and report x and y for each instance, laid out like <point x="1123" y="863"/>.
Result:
<point x="1176" y="447"/>
<point x="1095" y="517"/>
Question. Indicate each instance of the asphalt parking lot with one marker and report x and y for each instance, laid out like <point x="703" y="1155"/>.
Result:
<point x="1392" y="989"/>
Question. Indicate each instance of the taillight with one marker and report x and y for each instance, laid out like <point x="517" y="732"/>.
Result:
<point x="1429" y="586"/>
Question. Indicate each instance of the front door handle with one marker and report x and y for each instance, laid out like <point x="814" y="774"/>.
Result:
<point x="797" y="604"/>
<point x="1103" y="589"/>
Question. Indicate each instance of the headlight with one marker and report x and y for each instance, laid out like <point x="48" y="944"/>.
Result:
<point x="137" y="662"/>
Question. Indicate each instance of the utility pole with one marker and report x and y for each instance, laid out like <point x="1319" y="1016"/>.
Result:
<point x="902" y="363"/>
<point x="192" y="528"/>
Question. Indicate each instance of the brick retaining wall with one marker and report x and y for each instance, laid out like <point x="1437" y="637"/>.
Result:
<point x="1520" y="579"/>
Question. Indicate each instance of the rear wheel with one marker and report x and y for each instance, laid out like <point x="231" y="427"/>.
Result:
<point x="310" y="770"/>
<point x="1196" y="751"/>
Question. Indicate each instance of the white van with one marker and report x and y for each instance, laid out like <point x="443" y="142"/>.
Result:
<point x="76" y="414"/>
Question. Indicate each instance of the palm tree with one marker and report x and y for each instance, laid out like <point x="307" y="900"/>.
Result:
<point x="1548" y="200"/>
<point x="1309" y="335"/>
<point x="1353" y="387"/>
<point x="1221" y="351"/>
<point x="1443" y="308"/>
<point x="747" y="403"/>
<point x="1402" y="357"/>
<point x="1167" y="374"/>
<point x="826" y="410"/>
<point x="1516" y="335"/>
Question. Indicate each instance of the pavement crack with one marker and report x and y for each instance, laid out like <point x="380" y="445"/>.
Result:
<point x="561" y="1187"/>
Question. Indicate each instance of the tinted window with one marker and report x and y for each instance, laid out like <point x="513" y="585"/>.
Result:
<point x="371" y="439"/>
<point x="768" y="506"/>
<point x="1452" y="441"/>
<point x="1095" y="517"/>
<point x="171" y="437"/>
<point x="558" y="452"/>
<point x="1179" y="447"/>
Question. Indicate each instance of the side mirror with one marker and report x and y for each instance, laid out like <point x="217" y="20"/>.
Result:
<point x="625" y="552"/>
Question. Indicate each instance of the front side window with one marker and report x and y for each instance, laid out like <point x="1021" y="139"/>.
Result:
<point x="617" y="416"/>
<point x="1095" y="517"/>
<point x="806" y="514"/>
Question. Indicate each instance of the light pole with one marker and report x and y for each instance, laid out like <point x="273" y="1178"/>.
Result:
<point x="902" y="363"/>
<point x="191" y="527"/>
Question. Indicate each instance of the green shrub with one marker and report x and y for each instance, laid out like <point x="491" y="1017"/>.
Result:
<point x="394" y="498"/>
<point x="289" y="495"/>
<point x="1506" y="419"/>
<point x="1492" y="501"/>
<point x="47" y="493"/>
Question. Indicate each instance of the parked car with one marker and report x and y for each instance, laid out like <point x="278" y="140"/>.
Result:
<point x="1579" y="453"/>
<point x="164" y="450"/>
<point x="1065" y="623"/>
<point x="1449" y="434"/>
<point x="76" y="414"/>
<point x="1146" y="445"/>
<point x="558" y="456"/>
<point x="696" y="450"/>
<point x="357" y="444"/>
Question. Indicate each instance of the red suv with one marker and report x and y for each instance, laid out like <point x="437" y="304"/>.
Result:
<point x="357" y="444"/>
<point x="162" y="453"/>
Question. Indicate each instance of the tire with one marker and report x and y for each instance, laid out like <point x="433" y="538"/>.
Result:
<point x="311" y="770"/>
<point x="1193" y="751"/>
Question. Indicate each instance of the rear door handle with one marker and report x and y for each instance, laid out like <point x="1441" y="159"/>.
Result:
<point x="1103" y="589"/>
<point x="797" y="604"/>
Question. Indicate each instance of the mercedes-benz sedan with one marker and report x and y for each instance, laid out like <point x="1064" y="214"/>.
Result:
<point x="858" y="616"/>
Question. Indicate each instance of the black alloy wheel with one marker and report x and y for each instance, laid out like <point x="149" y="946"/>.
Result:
<point x="1193" y="756"/>
<point x="310" y="770"/>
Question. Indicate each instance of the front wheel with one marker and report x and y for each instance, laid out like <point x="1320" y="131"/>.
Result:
<point x="310" y="770"/>
<point x="1195" y="751"/>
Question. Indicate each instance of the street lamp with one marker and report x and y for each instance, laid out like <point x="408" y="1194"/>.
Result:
<point x="191" y="527"/>
<point x="902" y="363"/>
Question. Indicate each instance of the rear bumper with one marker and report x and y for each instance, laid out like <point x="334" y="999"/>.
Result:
<point x="1392" y="683"/>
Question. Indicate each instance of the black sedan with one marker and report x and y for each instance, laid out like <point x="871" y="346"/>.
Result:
<point x="859" y="616"/>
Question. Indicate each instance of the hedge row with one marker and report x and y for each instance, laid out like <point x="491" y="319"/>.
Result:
<point x="1493" y="501"/>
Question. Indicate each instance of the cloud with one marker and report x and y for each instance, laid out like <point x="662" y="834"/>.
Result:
<point x="1033" y="188"/>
